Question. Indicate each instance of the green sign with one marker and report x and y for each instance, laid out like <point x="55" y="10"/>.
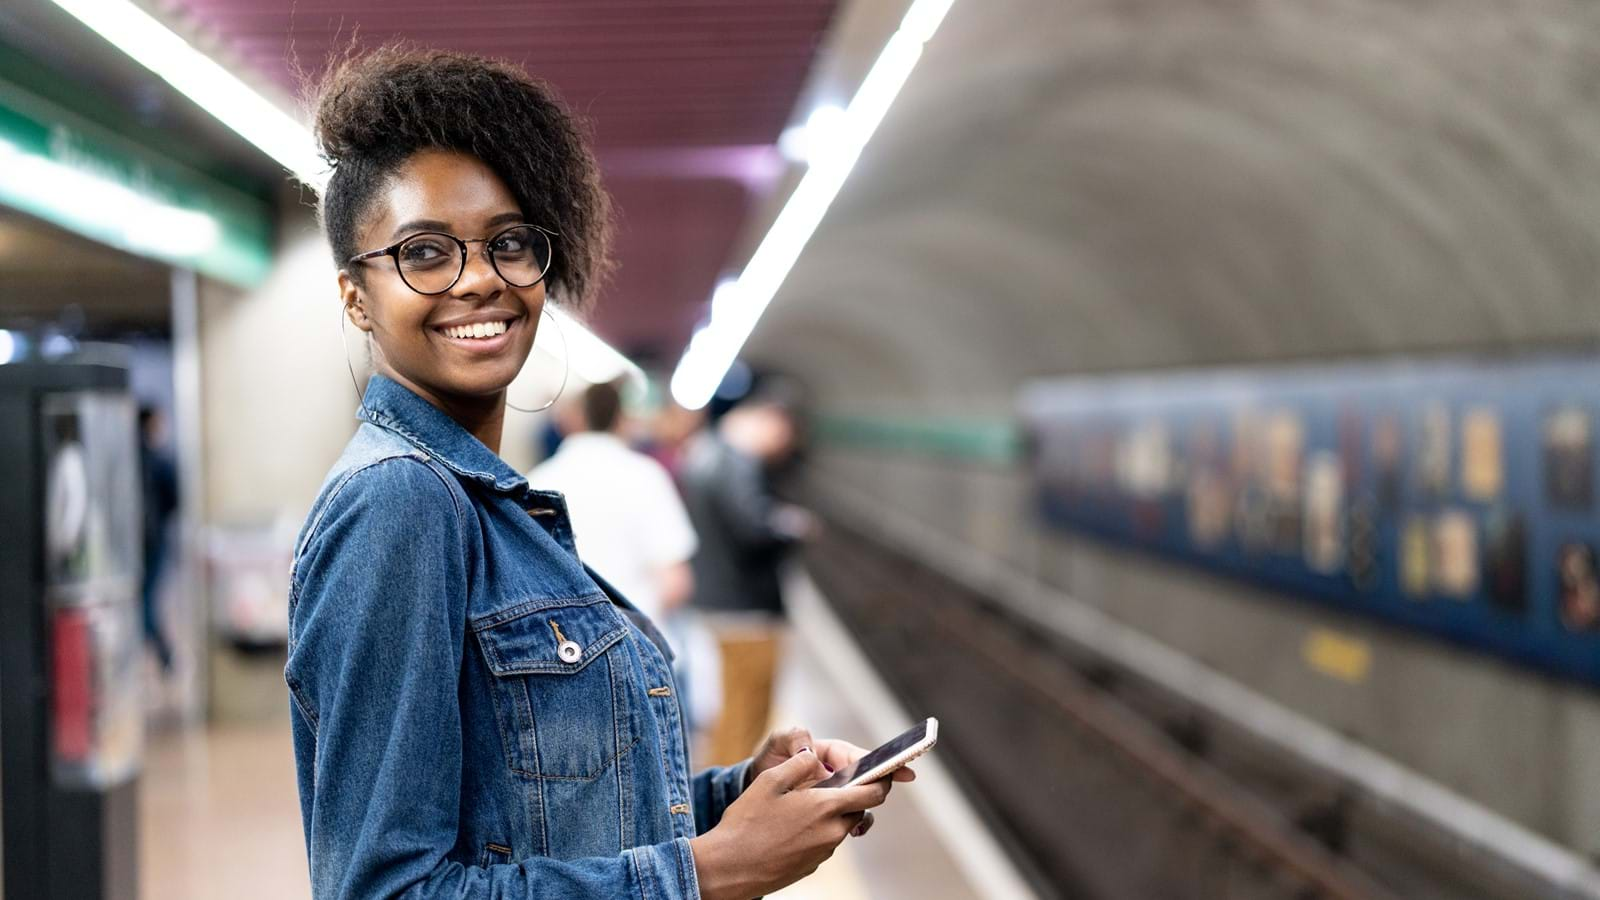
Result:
<point x="992" y="442"/>
<point x="87" y="180"/>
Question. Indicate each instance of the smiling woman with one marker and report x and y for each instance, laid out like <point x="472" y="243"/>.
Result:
<point x="435" y="155"/>
<point x="432" y="300"/>
<point x="476" y="712"/>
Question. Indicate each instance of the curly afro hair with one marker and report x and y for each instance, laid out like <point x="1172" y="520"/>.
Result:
<point x="375" y="110"/>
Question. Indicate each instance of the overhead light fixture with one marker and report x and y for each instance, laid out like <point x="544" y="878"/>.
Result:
<point x="831" y="150"/>
<point x="8" y="347"/>
<point x="800" y="143"/>
<point x="203" y="80"/>
<point x="792" y="143"/>
<point x="591" y="359"/>
<point x="279" y="135"/>
<point x="726" y="290"/>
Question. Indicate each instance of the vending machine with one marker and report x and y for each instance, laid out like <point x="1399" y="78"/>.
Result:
<point x="71" y="717"/>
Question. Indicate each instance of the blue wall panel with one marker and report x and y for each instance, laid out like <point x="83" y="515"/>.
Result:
<point x="1456" y="498"/>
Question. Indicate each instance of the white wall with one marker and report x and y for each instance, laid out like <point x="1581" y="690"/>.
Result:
<point x="278" y="404"/>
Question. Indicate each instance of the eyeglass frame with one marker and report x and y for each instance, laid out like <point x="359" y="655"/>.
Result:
<point x="393" y="252"/>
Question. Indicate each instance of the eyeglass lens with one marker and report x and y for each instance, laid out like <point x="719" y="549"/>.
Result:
<point x="431" y="263"/>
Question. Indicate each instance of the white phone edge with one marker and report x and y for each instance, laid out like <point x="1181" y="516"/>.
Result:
<point x="904" y="759"/>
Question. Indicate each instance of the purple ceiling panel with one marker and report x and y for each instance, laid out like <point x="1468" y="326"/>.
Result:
<point x="686" y="99"/>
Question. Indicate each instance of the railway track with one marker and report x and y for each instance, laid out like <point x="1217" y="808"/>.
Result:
<point x="1102" y="787"/>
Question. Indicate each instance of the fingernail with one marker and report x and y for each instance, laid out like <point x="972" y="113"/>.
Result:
<point x="828" y="767"/>
<point x="803" y="750"/>
<point x="856" y="831"/>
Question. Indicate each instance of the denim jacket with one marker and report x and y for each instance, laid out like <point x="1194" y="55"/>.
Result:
<point x="475" y="713"/>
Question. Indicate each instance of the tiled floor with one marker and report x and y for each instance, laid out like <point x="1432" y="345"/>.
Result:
<point x="219" y="816"/>
<point x="901" y="858"/>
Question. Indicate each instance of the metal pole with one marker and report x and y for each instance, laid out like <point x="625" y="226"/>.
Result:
<point x="188" y="444"/>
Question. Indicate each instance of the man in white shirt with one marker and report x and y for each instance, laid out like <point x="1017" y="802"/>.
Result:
<point x="628" y="521"/>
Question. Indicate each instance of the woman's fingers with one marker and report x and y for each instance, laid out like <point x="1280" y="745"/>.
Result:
<point x="795" y="772"/>
<point x="779" y="746"/>
<point x="790" y="741"/>
<point x="837" y="754"/>
<point x="859" y="798"/>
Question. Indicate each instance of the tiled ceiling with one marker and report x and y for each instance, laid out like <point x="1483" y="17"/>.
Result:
<point x="686" y="99"/>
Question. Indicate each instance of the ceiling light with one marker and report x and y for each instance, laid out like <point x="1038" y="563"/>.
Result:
<point x="832" y="149"/>
<point x="8" y="346"/>
<point x="201" y="79"/>
<point x="802" y="143"/>
<point x="724" y="297"/>
<point x="591" y="359"/>
<point x="792" y="143"/>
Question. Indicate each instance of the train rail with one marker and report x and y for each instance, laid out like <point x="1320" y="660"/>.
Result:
<point x="1104" y="787"/>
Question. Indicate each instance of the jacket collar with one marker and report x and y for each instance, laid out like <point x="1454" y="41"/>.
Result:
<point x="391" y="406"/>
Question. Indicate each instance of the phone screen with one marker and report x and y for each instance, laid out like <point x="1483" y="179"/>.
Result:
<point x="888" y="751"/>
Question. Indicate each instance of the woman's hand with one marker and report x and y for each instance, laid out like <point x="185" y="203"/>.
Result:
<point x="779" y="830"/>
<point x="835" y="754"/>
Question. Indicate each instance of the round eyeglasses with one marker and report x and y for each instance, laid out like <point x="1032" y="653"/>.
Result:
<point x="432" y="262"/>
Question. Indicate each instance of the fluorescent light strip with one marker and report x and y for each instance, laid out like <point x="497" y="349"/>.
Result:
<point x="201" y="79"/>
<point x="284" y="138"/>
<point x="738" y="306"/>
<point x="591" y="359"/>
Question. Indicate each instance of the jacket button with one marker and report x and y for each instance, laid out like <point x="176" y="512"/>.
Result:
<point x="569" y="651"/>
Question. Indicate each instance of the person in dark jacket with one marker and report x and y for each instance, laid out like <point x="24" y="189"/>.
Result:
<point x="745" y="534"/>
<point x="159" y="482"/>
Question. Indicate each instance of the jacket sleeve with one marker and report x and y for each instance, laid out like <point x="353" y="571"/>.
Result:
<point x="378" y="622"/>
<point x="714" y="790"/>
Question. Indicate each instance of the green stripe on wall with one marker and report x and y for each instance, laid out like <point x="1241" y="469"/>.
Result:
<point x="90" y="160"/>
<point x="992" y="442"/>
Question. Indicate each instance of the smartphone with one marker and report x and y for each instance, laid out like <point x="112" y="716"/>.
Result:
<point x="884" y="760"/>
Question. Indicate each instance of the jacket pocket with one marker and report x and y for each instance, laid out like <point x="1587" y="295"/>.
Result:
<point x="561" y="678"/>
<point x="494" y="855"/>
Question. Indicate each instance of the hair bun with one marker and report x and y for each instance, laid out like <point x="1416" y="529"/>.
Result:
<point x="374" y="110"/>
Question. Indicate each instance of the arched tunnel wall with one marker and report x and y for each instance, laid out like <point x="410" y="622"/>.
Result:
<point x="1131" y="186"/>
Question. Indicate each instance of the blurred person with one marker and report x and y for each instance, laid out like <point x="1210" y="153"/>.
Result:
<point x="475" y="713"/>
<point x="670" y="431"/>
<point x="566" y="417"/>
<point x="159" y="496"/>
<point x="745" y="535"/>
<point x="629" y="525"/>
<point x="627" y="519"/>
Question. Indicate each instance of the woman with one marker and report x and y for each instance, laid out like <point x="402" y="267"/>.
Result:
<point x="476" y="714"/>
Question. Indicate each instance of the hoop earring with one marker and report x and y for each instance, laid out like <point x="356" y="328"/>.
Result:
<point x="566" y="366"/>
<point x="344" y="347"/>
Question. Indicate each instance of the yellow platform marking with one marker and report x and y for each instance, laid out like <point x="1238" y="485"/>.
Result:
<point x="1337" y="655"/>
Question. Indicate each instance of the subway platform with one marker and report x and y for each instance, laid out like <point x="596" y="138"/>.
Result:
<point x="218" y="815"/>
